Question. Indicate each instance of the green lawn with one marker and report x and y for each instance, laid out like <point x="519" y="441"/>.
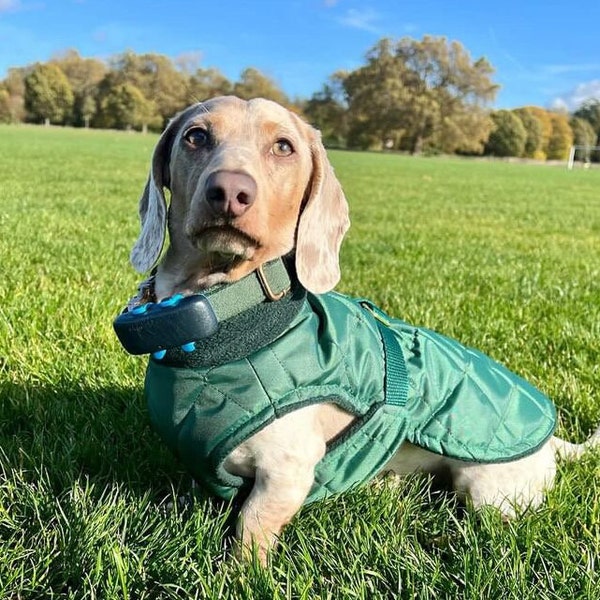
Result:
<point x="504" y="257"/>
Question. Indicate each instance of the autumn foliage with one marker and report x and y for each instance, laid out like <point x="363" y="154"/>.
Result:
<point x="418" y="96"/>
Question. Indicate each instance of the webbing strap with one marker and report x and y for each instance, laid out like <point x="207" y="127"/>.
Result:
<point x="231" y="299"/>
<point x="396" y="376"/>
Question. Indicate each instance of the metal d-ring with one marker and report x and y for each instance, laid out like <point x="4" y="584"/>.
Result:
<point x="269" y="293"/>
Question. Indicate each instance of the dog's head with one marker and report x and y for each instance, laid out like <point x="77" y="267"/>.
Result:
<point x="249" y="182"/>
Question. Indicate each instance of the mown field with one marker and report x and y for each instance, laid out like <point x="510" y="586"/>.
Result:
<point x="503" y="257"/>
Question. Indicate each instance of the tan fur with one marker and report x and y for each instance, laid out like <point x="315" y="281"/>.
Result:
<point x="299" y="205"/>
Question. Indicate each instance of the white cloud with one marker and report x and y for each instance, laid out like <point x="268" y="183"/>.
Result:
<point x="576" y="97"/>
<point x="566" y="69"/>
<point x="9" y="5"/>
<point x="361" y="19"/>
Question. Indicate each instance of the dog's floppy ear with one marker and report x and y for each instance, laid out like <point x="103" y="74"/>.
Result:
<point x="153" y="206"/>
<point x="322" y="226"/>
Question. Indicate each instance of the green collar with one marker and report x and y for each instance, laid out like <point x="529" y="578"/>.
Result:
<point x="251" y="313"/>
<point x="269" y="283"/>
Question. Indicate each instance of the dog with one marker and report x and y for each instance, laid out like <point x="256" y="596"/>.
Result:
<point x="251" y="187"/>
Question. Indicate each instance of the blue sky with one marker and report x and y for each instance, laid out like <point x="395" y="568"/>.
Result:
<point x="545" y="53"/>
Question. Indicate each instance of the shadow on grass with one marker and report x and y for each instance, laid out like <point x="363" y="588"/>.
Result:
<point x="70" y="430"/>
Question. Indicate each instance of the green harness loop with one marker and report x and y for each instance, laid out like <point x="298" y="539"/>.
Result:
<point x="396" y="377"/>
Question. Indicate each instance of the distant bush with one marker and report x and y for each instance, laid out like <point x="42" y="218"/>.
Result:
<point x="508" y="136"/>
<point x="561" y="138"/>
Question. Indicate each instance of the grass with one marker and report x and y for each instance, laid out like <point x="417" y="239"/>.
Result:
<point x="504" y="257"/>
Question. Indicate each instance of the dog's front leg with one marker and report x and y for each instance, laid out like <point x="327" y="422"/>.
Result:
<point x="271" y="505"/>
<point x="284" y="456"/>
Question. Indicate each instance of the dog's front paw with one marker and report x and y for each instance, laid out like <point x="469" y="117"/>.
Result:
<point x="252" y="552"/>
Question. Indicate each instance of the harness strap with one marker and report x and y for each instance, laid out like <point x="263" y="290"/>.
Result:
<point x="396" y="375"/>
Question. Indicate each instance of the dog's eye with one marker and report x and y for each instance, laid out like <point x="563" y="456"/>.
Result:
<point x="197" y="137"/>
<point x="282" y="147"/>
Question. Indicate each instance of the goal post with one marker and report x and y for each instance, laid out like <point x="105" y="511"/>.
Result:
<point x="585" y="152"/>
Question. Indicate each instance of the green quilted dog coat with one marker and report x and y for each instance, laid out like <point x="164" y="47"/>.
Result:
<point x="435" y="393"/>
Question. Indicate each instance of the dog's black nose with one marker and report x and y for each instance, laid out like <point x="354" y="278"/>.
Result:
<point x="230" y="193"/>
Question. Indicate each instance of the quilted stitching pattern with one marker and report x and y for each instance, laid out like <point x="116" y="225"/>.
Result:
<point x="460" y="403"/>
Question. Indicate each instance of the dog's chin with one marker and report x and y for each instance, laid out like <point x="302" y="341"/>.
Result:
<point x="223" y="248"/>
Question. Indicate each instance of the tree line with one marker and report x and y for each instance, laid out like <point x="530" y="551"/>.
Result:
<point x="129" y="91"/>
<point x="420" y="96"/>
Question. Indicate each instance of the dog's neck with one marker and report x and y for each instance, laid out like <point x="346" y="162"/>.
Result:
<point x="195" y="278"/>
<point x="185" y="271"/>
<point x="252" y="312"/>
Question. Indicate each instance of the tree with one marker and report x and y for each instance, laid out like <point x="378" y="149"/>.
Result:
<point x="207" y="83"/>
<point x="188" y="62"/>
<point x="125" y="107"/>
<point x="545" y="120"/>
<point x="463" y="129"/>
<point x="426" y="94"/>
<point x="458" y="86"/>
<point x="86" y="108"/>
<point x="583" y="132"/>
<point x="379" y="99"/>
<point x="155" y="76"/>
<point x="327" y="111"/>
<point x="14" y="101"/>
<point x="48" y="94"/>
<point x="508" y="136"/>
<point x="5" y="116"/>
<point x="254" y="84"/>
<point x="583" y="135"/>
<point x="533" y="128"/>
<point x="84" y="75"/>
<point x="590" y="111"/>
<point x="561" y="139"/>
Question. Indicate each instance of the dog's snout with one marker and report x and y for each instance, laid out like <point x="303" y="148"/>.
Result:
<point x="230" y="193"/>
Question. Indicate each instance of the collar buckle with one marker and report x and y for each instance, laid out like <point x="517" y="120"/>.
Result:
<point x="266" y="287"/>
